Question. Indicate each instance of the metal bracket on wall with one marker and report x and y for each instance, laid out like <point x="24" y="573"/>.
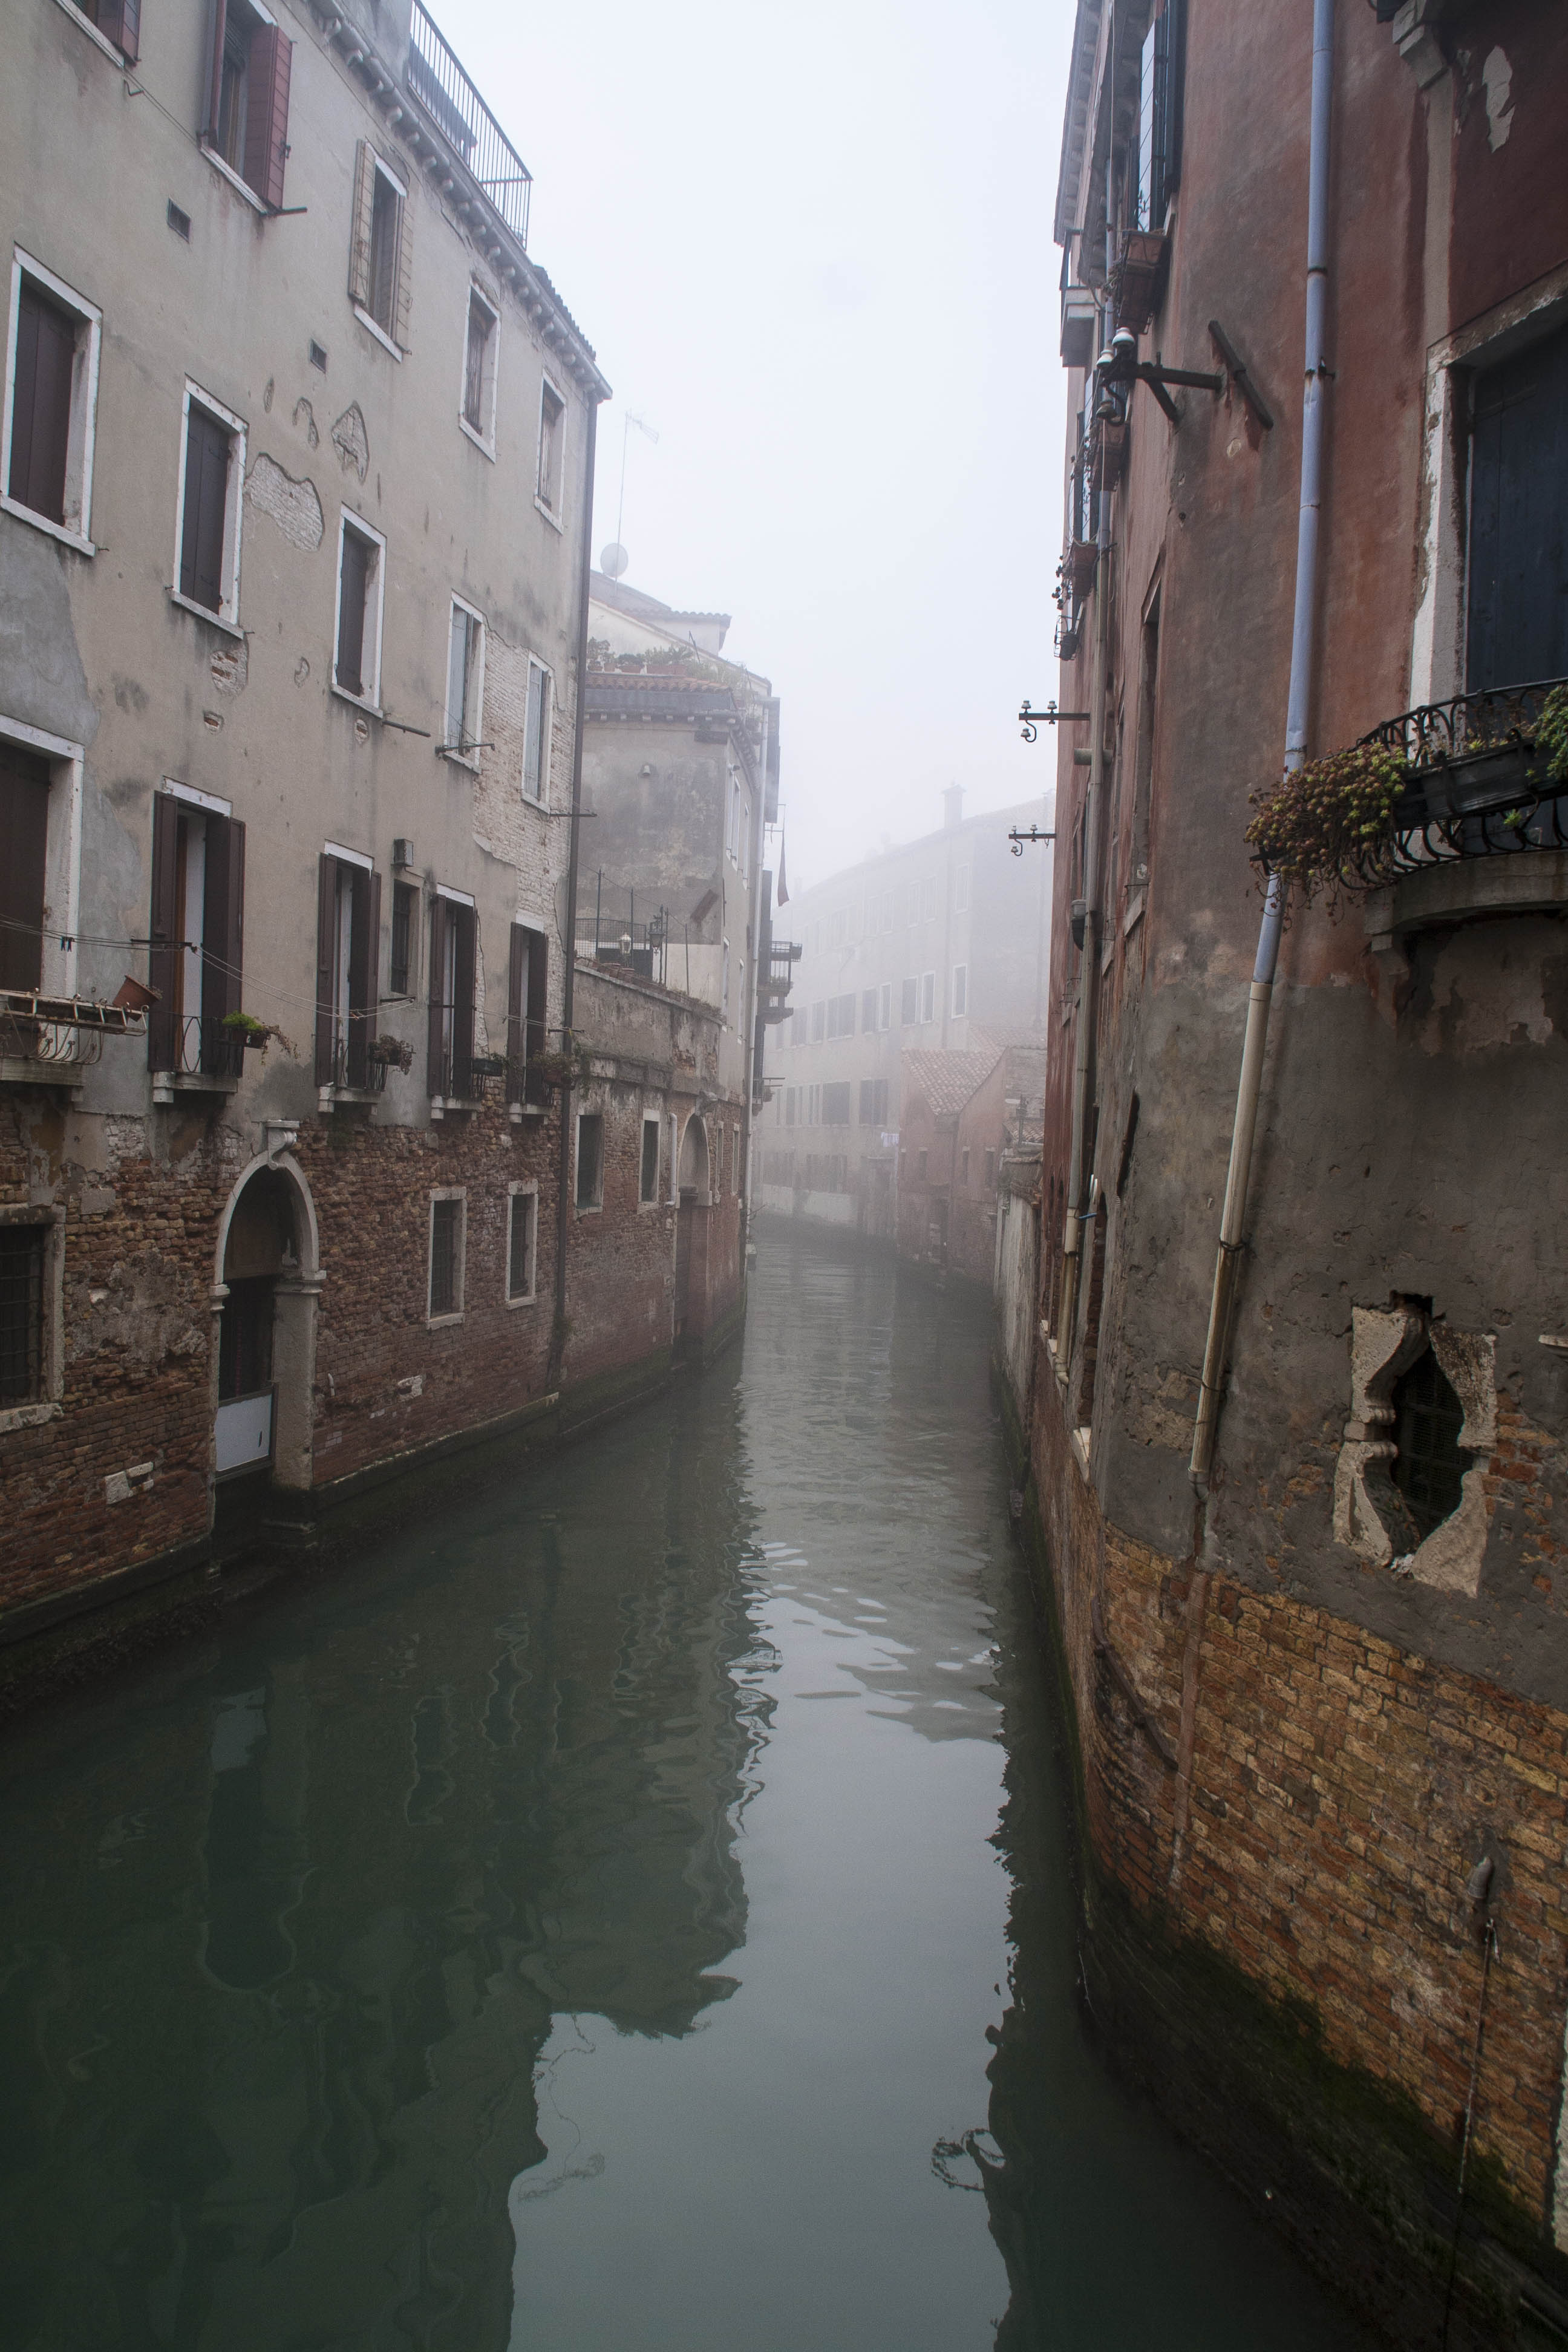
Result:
<point x="1033" y="720"/>
<point x="1018" y="838"/>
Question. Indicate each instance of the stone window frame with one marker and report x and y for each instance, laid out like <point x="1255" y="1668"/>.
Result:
<point x="521" y="1188"/>
<point x="51" y="1405"/>
<point x="595" y="1110"/>
<point x="456" y="1314"/>
<point x="227" y="617"/>
<point x="83" y="426"/>
<point x="483" y="434"/>
<point x="1384" y="1343"/>
<point x="62" y="852"/>
<point x="654" y="1118"/>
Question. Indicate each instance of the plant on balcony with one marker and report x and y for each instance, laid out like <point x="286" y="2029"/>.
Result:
<point x="552" y="1070"/>
<point x="1552" y="735"/>
<point x="246" y="1030"/>
<point x="391" y="1053"/>
<point x="1319" y="827"/>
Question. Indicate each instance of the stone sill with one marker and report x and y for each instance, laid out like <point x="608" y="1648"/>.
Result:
<point x="1467" y="890"/>
<point x="167" y="1084"/>
<point x="28" y="1416"/>
<point x="331" y="1098"/>
<point x="21" y="1070"/>
<point x="443" y="1105"/>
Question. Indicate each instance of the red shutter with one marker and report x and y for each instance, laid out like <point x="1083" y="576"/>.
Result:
<point x="163" y="958"/>
<point x="223" y="938"/>
<point x="439" y="912"/>
<point x="538" y="1001"/>
<point x="24" y="851"/>
<point x="40" y="409"/>
<point x="120" y="21"/>
<point x="267" y="114"/>
<point x="326" y="961"/>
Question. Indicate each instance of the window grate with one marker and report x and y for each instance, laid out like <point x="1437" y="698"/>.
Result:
<point x="22" y="1313"/>
<point x="444" y="1232"/>
<point x="1430" y="1464"/>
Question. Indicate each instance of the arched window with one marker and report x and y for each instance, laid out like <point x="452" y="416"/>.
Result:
<point x="1430" y="1464"/>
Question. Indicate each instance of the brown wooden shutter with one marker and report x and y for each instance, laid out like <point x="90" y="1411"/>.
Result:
<point x="363" y="215"/>
<point x="404" y="274"/>
<point x="267" y="113"/>
<point x="120" y="21"/>
<point x="439" y="913"/>
<point x="24" y="853"/>
<point x="463" y="995"/>
<point x="206" y="502"/>
<point x="223" y="941"/>
<point x="40" y="413"/>
<point x="365" y="960"/>
<point x="353" y="586"/>
<point x="326" y="964"/>
<point x="538" y="1003"/>
<point x="516" y="1038"/>
<point x="163" y="957"/>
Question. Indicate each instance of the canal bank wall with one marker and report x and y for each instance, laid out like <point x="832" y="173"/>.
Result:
<point x="1325" y="2067"/>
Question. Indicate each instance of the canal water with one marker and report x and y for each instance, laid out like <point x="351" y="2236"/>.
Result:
<point x="630" y="1910"/>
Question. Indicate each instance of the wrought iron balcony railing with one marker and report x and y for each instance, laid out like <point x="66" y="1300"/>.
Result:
<point x="205" y="1047"/>
<point x="453" y="104"/>
<point x="357" y="1067"/>
<point x="1480" y="788"/>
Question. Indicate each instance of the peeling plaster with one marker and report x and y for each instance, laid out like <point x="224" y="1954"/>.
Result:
<point x="1497" y="80"/>
<point x="294" y="506"/>
<point x="1370" y="1514"/>
<point x="350" y="440"/>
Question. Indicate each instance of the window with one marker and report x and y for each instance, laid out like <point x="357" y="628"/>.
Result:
<point x="1159" y="114"/>
<point x="867" y="1009"/>
<point x="991" y="1171"/>
<point x="1143" y="751"/>
<point x="838" y="927"/>
<point x="789" y="1106"/>
<point x="552" y="437"/>
<point x="1517" y="626"/>
<point x="928" y="898"/>
<point x="380" y="251"/>
<point x="841" y="1015"/>
<point x="873" y="1102"/>
<point x="724" y="981"/>
<point x="478" y="410"/>
<point x="590" y="1160"/>
<point x="212" y="473"/>
<point x="465" y="682"/>
<point x="961" y="891"/>
<point x="348" y="960"/>
<point x="50" y="414"/>
<point x="920" y="1162"/>
<point x="649" y="1185"/>
<point x="963" y="1165"/>
<point x="24" y="865"/>
<point x="247" y="111"/>
<point x="909" y="1005"/>
<point x="885" y="1009"/>
<point x="1430" y="1464"/>
<point x="536" y="736"/>
<point x="798" y="1022"/>
<point x="119" y="22"/>
<point x="197" y="932"/>
<point x="836" y="1110"/>
<point x="527" y="983"/>
<point x="734" y="843"/>
<point x="927" y="996"/>
<point x="522" y="1243"/>
<point x="818" y="1021"/>
<point x="356" y="670"/>
<point x="454" y="955"/>
<point x="405" y="900"/>
<point x="735" y="1161"/>
<point x="447" y="1251"/>
<point x="22" y="1260"/>
<point x="960" y="991"/>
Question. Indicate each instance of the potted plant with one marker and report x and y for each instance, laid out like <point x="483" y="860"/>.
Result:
<point x="1325" y="825"/>
<point x="244" y="1029"/>
<point x="391" y="1053"/>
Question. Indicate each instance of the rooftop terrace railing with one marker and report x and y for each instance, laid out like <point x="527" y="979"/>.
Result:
<point x="453" y="104"/>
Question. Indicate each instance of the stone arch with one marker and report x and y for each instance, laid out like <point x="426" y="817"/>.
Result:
<point x="268" y="1233"/>
<point x="694" y="1174"/>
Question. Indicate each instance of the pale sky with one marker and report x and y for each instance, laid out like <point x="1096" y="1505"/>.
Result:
<point x="811" y="247"/>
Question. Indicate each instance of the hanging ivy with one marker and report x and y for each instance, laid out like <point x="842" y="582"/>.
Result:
<point x="1315" y="827"/>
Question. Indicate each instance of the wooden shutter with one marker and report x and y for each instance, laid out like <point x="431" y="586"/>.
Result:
<point x="120" y="21"/>
<point x="222" y="938"/>
<point x="267" y="114"/>
<point x="326" y="964"/>
<point x="364" y="964"/>
<point x="24" y="853"/>
<point x="538" y="1002"/>
<point x="163" y="957"/>
<point x="516" y="1036"/>
<point x="352" y="588"/>
<point x="439" y="913"/>
<point x="1516" y="623"/>
<point x="40" y="413"/>
<point x="206" y="504"/>
<point x="463" y="994"/>
<point x="405" y="273"/>
<point x="363" y="215"/>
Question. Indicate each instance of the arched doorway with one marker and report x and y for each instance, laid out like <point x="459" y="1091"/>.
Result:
<point x="692" y="1233"/>
<point x="265" y="1303"/>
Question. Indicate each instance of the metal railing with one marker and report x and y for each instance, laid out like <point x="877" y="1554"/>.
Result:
<point x="453" y="104"/>
<point x="1479" y="788"/>
<point x="206" y="1046"/>
<point x="61" y="1044"/>
<point x="363" y="1072"/>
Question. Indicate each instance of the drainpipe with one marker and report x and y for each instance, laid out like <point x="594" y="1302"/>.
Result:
<point x="568" y="991"/>
<point x="1303" y="650"/>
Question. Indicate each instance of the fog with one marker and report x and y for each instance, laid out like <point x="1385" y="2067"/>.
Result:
<point x="811" y="247"/>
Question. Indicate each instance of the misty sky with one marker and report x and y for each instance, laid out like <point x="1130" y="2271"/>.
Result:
<point x="812" y="247"/>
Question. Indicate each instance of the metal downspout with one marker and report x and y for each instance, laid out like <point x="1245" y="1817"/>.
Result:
<point x="1303" y="650"/>
<point x="568" y="991"/>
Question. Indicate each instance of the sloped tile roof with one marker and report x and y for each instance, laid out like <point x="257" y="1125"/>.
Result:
<point x="948" y="1080"/>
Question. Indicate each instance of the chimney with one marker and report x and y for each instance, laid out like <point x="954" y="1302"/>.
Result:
<point x="952" y="807"/>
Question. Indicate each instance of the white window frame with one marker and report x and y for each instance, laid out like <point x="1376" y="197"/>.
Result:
<point x="961" y="988"/>
<point x="928" y="998"/>
<point x="650" y="1119"/>
<point x="539" y="800"/>
<point x="349" y="519"/>
<point x="587" y="1208"/>
<point x="220" y="163"/>
<point x="81" y="437"/>
<point x="458" y="1193"/>
<point x="553" y="515"/>
<point x="227" y="617"/>
<point x="62" y="851"/>
<point x="485" y="440"/>
<point x="450" y="749"/>
<point x="48" y="1406"/>
<point x="116" y="56"/>
<point x="369" y="322"/>
<point x="519" y="1190"/>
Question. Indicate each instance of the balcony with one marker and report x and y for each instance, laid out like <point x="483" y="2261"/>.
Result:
<point x="455" y="109"/>
<point x="357" y="1072"/>
<point x="1483" y="828"/>
<point x="51" y="1041"/>
<point x="207" y="1060"/>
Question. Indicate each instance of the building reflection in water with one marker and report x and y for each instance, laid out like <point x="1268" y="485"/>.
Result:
<point x="284" y="1944"/>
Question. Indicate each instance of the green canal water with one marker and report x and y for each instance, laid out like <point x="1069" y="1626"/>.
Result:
<point x="617" y="1914"/>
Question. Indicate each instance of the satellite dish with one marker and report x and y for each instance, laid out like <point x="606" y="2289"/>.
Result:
<point x="613" y="560"/>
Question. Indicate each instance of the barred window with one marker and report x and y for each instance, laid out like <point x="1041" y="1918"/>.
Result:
<point x="446" y="1257"/>
<point x="22" y="1249"/>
